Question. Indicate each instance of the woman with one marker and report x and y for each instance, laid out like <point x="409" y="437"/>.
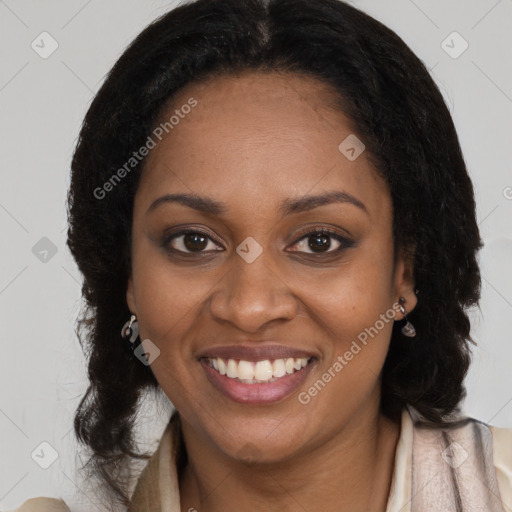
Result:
<point x="269" y="203"/>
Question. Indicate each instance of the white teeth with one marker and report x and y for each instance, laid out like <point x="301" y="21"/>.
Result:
<point x="250" y="372"/>
<point x="278" y="368"/>
<point x="222" y="366"/>
<point x="232" y="369"/>
<point x="245" y="370"/>
<point x="263" y="370"/>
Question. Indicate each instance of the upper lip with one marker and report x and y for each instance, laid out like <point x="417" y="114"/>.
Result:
<point x="258" y="353"/>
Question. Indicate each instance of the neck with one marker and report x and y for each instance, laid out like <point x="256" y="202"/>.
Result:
<point x="350" y="471"/>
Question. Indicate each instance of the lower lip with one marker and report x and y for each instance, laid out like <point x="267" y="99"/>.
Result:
<point x="257" y="393"/>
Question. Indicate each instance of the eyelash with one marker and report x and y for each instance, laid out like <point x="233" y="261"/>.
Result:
<point x="345" y="242"/>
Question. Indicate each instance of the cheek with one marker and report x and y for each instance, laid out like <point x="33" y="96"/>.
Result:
<point x="352" y="304"/>
<point x="169" y="302"/>
<point x="355" y="307"/>
<point x="350" y="297"/>
<point x="358" y="320"/>
<point x="166" y="296"/>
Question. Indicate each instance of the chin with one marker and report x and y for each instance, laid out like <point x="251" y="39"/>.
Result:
<point x="262" y="443"/>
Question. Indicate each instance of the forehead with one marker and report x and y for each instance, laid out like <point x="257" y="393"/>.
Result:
<point x="257" y="137"/>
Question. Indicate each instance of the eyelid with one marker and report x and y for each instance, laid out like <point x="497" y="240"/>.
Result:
<point x="319" y="228"/>
<point x="187" y="228"/>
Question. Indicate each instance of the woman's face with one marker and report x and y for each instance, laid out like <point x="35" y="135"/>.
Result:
<point x="257" y="280"/>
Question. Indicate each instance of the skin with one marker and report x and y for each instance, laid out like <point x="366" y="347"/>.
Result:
<point x="253" y="141"/>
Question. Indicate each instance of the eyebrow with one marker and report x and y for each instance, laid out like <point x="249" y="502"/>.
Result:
<point x="208" y="205"/>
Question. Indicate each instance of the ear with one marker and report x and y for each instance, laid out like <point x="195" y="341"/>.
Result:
<point x="404" y="284"/>
<point x="130" y="296"/>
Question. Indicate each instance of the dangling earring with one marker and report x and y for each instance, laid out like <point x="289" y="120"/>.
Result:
<point x="130" y="331"/>
<point x="408" y="329"/>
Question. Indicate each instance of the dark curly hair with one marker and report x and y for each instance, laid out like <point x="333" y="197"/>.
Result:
<point x="399" y="113"/>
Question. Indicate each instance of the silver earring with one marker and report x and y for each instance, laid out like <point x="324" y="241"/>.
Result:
<point x="408" y="329"/>
<point x="130" y="331"/>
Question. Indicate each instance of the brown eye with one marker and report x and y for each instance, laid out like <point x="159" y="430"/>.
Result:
<point x="190" y="241"/>
<point x="195" y="242"/>
<point x="321" y="241"/>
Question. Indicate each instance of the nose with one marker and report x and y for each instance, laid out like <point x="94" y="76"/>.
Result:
<point x="252" y="295"/>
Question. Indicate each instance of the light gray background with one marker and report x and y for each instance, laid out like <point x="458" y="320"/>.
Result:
<point x="42" y="103"/>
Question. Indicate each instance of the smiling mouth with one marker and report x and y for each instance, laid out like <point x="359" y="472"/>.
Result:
<point x="257" y="372"/>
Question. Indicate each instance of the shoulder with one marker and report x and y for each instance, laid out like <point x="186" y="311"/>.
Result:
<point x="502" y="453"/>
<point x="43" y="505"/>
<point x="502" y="446"/>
